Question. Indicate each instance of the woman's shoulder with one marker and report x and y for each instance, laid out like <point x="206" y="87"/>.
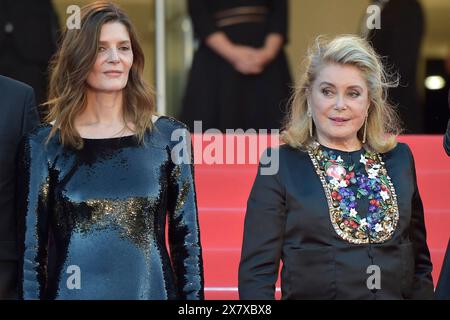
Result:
<point x="288" y="151"/>
<point x="401" y="154"/>
<point x="168" y="130"/>
<point x="35" y="142"/>
<point x="168" y="124"/>
<point x="287" y="155"/>
<point x="39" y="134"/>
<point x="401" y="150"/>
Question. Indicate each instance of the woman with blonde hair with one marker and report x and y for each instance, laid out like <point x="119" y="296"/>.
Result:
<point x="343" y="213"/>
<point x="98" y="184"/>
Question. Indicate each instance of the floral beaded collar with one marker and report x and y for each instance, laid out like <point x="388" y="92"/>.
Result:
<point x="380" y="222"/>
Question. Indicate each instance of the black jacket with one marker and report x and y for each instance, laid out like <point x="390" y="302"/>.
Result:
<point x="288" y="220"/>
<point x="18" y="116"/>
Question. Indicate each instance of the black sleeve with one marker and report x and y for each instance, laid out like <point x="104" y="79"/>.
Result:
<point x="184" y="230"/>
<point x="423" y="282"/>
<point x="263" y="239"/>
<point x="278" y="18"/>
<point x="201" y="18"/>
<point x="32" y="209"/>
<point x="447" y="139"/>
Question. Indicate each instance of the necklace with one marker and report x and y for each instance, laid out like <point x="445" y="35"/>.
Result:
<point x="337" y="177"/>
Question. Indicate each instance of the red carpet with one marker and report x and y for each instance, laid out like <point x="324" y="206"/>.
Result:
<point x="223" y="189"/>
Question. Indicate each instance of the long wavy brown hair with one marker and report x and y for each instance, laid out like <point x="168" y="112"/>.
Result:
<point x="72" y="64"/>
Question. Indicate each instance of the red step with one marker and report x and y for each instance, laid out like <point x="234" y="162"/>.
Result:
<point x="223" y="189"/>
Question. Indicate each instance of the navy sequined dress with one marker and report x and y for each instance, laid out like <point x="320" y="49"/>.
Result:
<point x="95" y="219"/>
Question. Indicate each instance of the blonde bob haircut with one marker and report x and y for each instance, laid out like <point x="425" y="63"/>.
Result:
<point x="72" y="64"/>
<point x="382" y="123"/>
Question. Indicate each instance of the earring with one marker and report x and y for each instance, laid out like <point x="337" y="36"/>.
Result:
<point x="365" y="130"/>
<point x="310" y="124"/>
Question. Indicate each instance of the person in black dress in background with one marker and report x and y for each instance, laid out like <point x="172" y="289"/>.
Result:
<point x="239" y="76"/>
<point x="399" y="40"/>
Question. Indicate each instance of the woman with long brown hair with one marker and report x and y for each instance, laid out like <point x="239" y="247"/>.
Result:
<point x="97" y="184"/>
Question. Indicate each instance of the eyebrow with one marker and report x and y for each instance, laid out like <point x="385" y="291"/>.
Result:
<point x="120" y="42"/>
<point x="332" y="85"/>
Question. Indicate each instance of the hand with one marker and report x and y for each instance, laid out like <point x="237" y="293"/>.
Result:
<point x="265" y="55"/>
<point x="262" y="57"/>
<point x="241" y="57"/>
<point x="246" y="60"/>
